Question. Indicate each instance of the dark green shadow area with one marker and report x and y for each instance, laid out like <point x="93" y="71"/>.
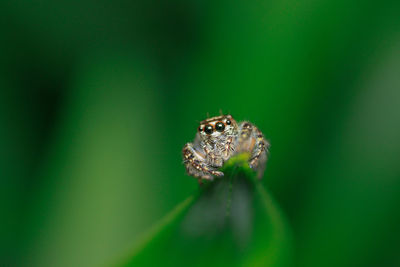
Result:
<point x="231" y="221"/>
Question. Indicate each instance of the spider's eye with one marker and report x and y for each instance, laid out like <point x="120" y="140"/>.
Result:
<point x="228" y="121"/>
<point x="199" y="129"/>
<point x="208" y="129"/>
<point x="219" y="127"/>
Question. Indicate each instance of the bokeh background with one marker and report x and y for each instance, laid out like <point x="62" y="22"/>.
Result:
<point x="97" y="99"/>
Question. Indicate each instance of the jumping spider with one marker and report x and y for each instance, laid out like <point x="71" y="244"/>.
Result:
<point x="218" y="139"/>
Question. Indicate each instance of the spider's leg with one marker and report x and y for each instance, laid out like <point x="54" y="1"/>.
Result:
<point x="260" y="151"/>
<point x="252" y="140"/>
<point x="196" y="164"/>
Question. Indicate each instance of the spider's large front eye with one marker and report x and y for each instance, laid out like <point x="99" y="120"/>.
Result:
<point x="208" y="129"/>
<point x="219" y="127"/>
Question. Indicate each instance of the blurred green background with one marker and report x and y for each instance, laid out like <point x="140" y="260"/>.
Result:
<point x="97" y="99"/>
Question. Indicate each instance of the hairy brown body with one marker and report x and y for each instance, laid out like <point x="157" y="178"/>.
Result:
<point x="218" y="139"/>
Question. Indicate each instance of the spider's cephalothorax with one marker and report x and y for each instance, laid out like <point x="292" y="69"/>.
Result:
<point x="218" y="139"/>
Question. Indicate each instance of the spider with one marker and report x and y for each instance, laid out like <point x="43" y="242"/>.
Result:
<point x="218" y="139"/>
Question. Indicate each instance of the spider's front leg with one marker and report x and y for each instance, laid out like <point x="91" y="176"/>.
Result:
<point x="252" y="140"/>
<point x="196" y="164"/>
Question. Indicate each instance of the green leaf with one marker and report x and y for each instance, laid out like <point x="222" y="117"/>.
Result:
<point x="231" y="221"/>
